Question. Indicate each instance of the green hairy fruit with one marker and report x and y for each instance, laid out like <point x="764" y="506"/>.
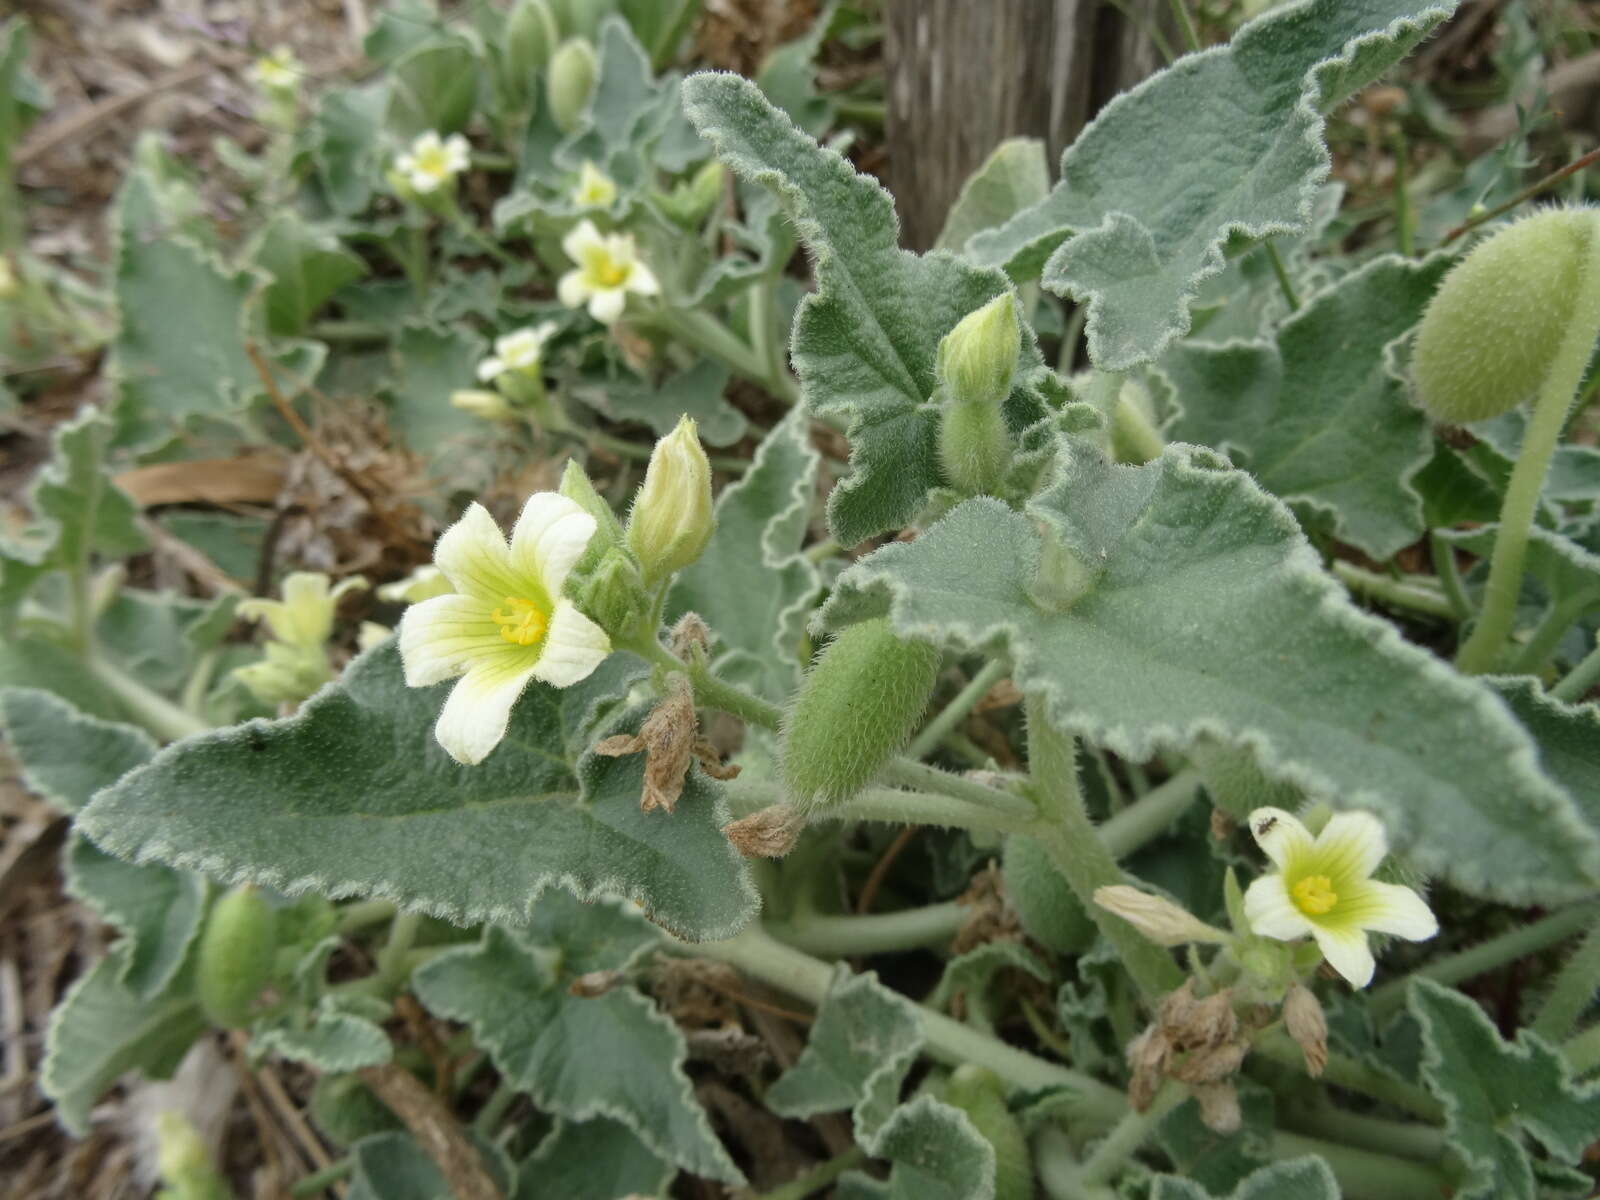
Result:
<point x="857" y="706"/>
<point x="974" y="446"/>
<point x="235" y="956"/>
<point x="1051" y="913"/>
<point x="1492" y="330"/>
<point x="980" y="1094"/>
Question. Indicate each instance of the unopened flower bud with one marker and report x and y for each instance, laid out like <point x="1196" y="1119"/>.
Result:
<point x="857" y="706"/>
<point x="1493" y="329"/>
<point x="570" y="82"/>
<point x="530" y="36"/>
<point x="1304" y="1019"/>
<point x="234" y="957"/>
<point x="183" y="1162"/>
<point x="613" y="595"/>
<point x="672" y="519"/>
<point x="1162" y="921"/>
<point x="979" y="356"/>
<point x="483" y="404"/>
<point x="690" y="200"/>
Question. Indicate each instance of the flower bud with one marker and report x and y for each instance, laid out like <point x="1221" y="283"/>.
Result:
<point x="690" y="200"/>
<point x="530" y="35"/>
<point x="857" y="706"/>
<point x="613" y="595"/>
<point x="979" y="356"/>
<point x="1050" y="911"/>
<point x="485" y="405"/>
<point x="234" y="958"/>
<point x="577" y="486"/>
<point x="183" y="1162"/>
<point x="1161" y="921"/>
<point x="1493" y="328"/>
<point x="285" y="674"/>
<point x="672" y="519"/>
<point x="570" y="82"/>
<point x="980" y="1094"/>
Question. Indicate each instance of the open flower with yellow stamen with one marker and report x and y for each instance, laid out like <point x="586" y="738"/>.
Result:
<point x="595" y="188"/>
<point x="506" y="622"/>
<point x="521" y="350"/>
<point x="1324" y="887"/>
<point x="608" y="269"/>
<point x="279" y="71"/>
<point x="433" y="162"/>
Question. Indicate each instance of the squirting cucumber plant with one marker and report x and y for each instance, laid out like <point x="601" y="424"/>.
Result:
<point x="1078" y="705"/>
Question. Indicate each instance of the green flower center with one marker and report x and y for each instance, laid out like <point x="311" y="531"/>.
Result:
<point x="433" y="162"/>
<point x="521" y="622"/>
<point x="1314" y="895"/>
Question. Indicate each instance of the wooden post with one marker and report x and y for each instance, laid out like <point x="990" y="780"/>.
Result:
<point x="965" y="74"/>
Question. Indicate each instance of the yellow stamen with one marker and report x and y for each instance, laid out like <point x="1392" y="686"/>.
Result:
<point x="524" y="625"/>
<point x="434" y="162"/>
<point x="1315" y="895"/>
<point x="612" y="274"/>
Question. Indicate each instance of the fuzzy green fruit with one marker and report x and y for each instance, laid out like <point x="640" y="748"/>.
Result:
<point x="1050" y="912"/>
<point x="1492" y="331"/>
<point x="530" y="36"/>
<point x="234" y="959"/>
<point x="570" y="82"/>
<point x="980" y="1094"/>
<point x="974" y="447"/>
<point x="857" y="706"/>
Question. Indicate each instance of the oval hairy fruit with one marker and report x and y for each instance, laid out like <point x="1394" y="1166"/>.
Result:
<point x="1050" y="911"/>
<point x="980" y="1094"/>
<point x="235" y="956"/>
<point x="570" y="82"/>
<point x="1490" y="333"/>
<point x="857" y="706"/>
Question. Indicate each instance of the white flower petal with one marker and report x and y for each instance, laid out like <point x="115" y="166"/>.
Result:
<point x="607" y="305"/>
<point x="551" y="534"/>
<point x="1389" y="908"/>
<point x="1280" y="834"/>
<point x="1347" y="952"/>
<point x="1350" y="846"/>
<point x="474" y="718"/>
<point x="583" y="236"/>
<point x="423" y="182"/>
<point x="440" y="637"/>
<point x="643" y="280"/>
<point x="489" y="368"/>
<point x="475" y="558"/>
<point x="458" y="152"/>
<point x="1271" y="912"/>
<point x="572" y="649"/>
<point x="573" y="289"/>
<point x="406" y="164"/>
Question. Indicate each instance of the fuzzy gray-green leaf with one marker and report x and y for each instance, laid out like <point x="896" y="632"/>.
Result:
<point x="1320" y="416"/>
<point x="1201" y="613"/>
<point x="65" y="755"/>
<point x="1298" y="1179"/>
<point x="864" y="343"/>
<point x="1229" y="139"/>
<point x="353" y="796"/>
<point x="598" y="1159"/>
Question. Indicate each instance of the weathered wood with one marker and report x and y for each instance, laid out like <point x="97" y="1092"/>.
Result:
<point x="965" y="74"/>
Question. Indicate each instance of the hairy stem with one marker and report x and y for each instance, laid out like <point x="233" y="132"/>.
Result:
<point x="1547" y="636"/>
<point x="1481" y="651"/>
<point x="1580" y="679"/>
<point x="1574" y="989"/>
<point x="830" y="936"/>
<point x="1082" y="858"/>
<point x="710" y="336"/>
<point x="956" y="711"/>
<point x="817" y="1178"/>
<point x="154" y="711"/>
<point x="1407" y="593"/>
<point x="1124" y="1140"/>
<point x="1449" y="575"/>
<point x="1282" y="274"/>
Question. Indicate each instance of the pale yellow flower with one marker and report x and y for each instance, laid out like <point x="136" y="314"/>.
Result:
<point x="608" y="268"/>
<point x="432" y="162"/>
<point x="279" y="71"/>
<point x="520" y="350"/>
<point x="595" y="188"/>
<point x="424" y="583"/>
<point x="505" y="624"/>
<point x="1324" y="889"/>
<point x="304" y="617"/>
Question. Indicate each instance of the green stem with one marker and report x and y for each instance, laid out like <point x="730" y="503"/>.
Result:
<point x="1191" y="36"/>
<point x="956" y="711"/>
<point x="1362" y="1174"/>
<point x="894" y="806"/>
<point x="1485" y="956"/>
<point x="1481" y="650"/>
<point x="393" y="964"/>
<point x="1580" y="679"/>
<point x="198" y="684"/>
<point x="1408" y="594"/>
<point x="1573" y="991"/>
<point x="1449" y="576"/>
<point x="1134" y="438"/>
<point x="1282" y="273"/>
<point x="494" y="1109"/>
<point x="764" y="340"/>
<point x="1583" y="1051"/>
<point x="360" y="333"/>
<point x="321" y="1181"/>
<point x="1124" y="1140"/>
<point x="155" y="712"/>
<point x="817" y="1178"/>
<point x="1351" y="1073"/>
<point x="710" y="336"/>
<point x="1547" y="636"/>
<point x="1151" y="815"/>
<point x="363" y="914"/>
<point x="902" y="772"/>
<point x="1403" y="232"/>
<point x="1082" y="858"/>
<point x="830" y="936"/>
<point x="1403" y="1138"/>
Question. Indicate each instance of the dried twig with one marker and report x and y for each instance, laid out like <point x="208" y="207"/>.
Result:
<point x="880" y="869"/>
<point x="436" y="1130"/>
<point x="1527" y="193"/>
